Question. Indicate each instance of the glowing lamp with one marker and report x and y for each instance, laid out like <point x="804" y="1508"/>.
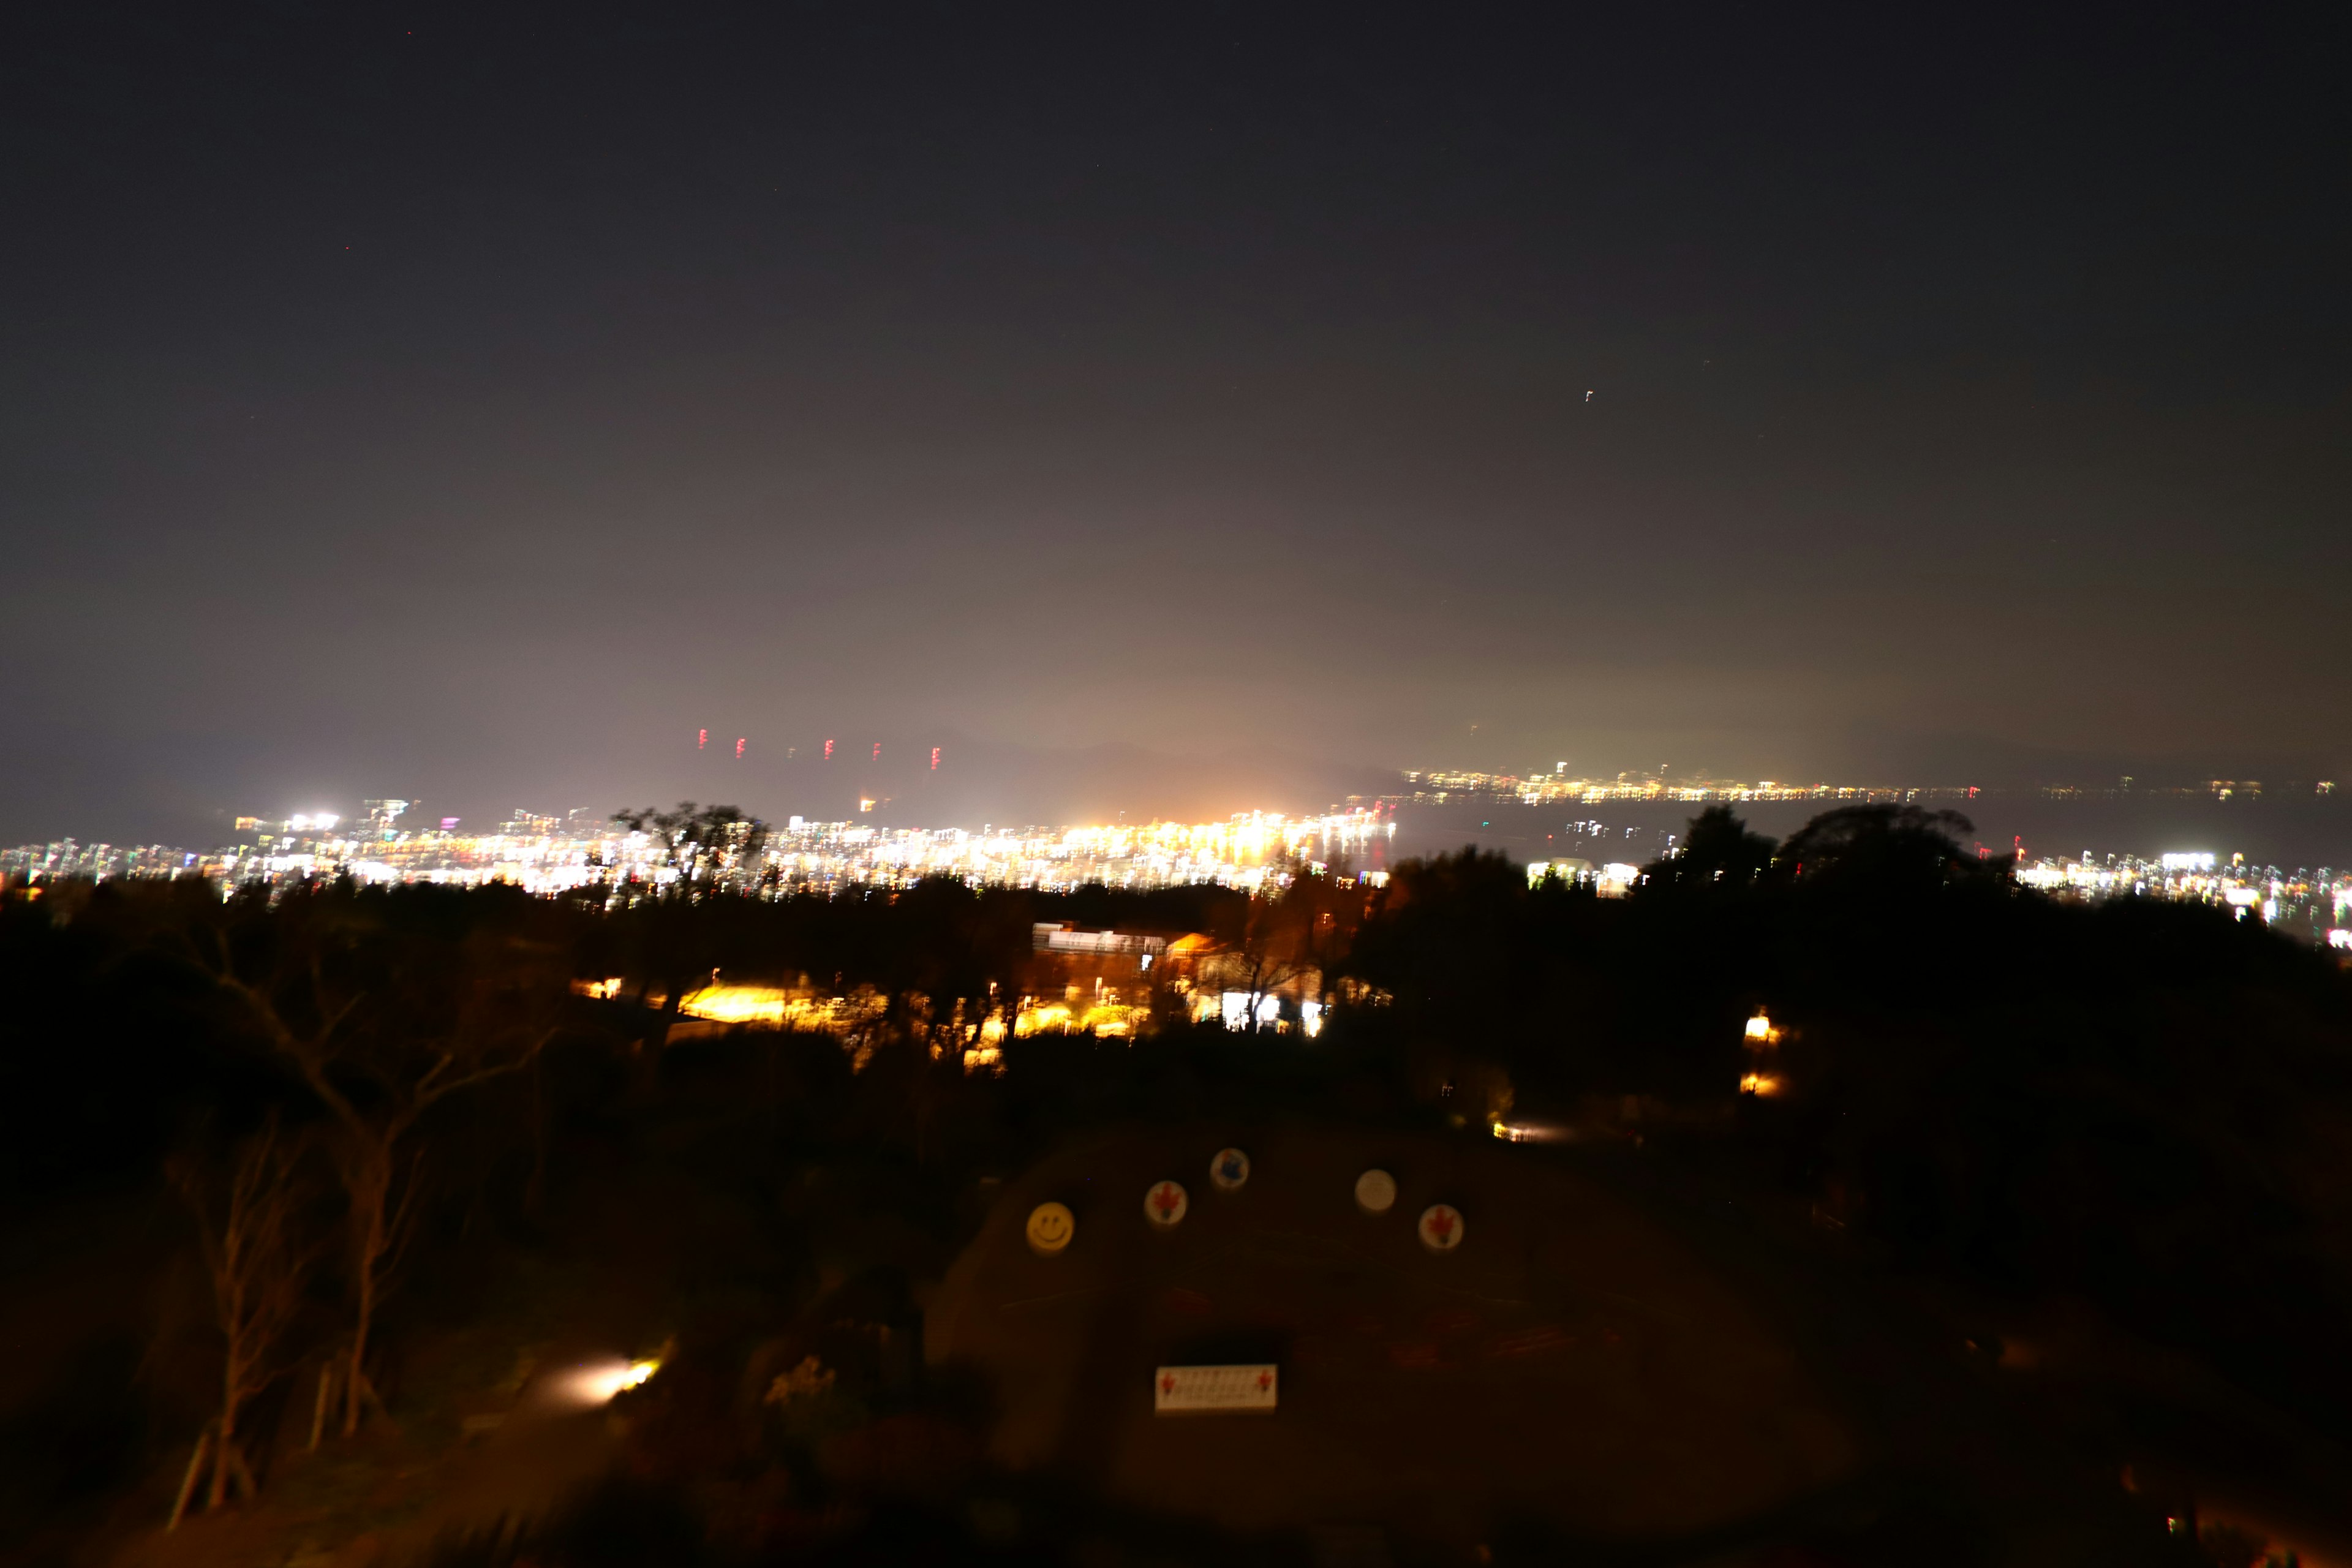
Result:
<point x="598" y="1383"/>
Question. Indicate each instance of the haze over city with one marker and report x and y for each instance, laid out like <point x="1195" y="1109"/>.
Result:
<point x="475" y="404"/>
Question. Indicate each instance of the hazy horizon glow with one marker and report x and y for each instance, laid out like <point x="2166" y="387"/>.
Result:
<point x="474" y="407"/>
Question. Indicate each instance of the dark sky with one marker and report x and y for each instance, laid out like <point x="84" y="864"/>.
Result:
<point x="471" y="403"/>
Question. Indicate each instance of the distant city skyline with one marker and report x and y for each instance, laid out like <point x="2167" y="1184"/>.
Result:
<point x="391" y="840"/>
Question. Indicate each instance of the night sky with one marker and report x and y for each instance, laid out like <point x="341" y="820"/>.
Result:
<point x="473" y="404"/>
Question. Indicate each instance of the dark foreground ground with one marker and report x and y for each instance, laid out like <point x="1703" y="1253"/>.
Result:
<point x="1620" y="1364"/>
<point x="1617" y="1364"/>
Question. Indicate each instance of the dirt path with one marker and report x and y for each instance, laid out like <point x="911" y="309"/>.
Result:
<point x="383" y="1502"/>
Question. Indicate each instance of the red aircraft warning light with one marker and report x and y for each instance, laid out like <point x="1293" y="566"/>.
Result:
<point x="828" y="751"/>
<point x="935" y="759"/>
<point x="739" y="748"/>
<point x="877" y="750"/>
<point x="701" y="739"/>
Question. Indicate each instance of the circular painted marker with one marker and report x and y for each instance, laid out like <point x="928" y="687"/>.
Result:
<point x="1051" y="1226"/>
<point x="1229" y="1170"/>
<point x="1165" y="1203"/>
<point x="1441" y="1227"/>
<point x="1376" y="1192"/>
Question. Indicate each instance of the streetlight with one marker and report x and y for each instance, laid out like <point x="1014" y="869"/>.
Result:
<point x="1762" y="1041"/>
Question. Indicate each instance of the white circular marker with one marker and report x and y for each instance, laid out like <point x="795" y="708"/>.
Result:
<point x="1441" y="1227"/>
<point x="1376" y="1192"/>
<point x="1165" y="1203"/>
<point x="1229" y="1170"/>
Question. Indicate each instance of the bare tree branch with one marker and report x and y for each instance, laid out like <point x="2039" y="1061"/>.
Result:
<point x="433" y="1029"/>
<point x="258" y="1263"/>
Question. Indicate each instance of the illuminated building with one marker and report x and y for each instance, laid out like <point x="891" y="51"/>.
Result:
<point x="1762" y="1040"/>
<point x="1439" y="785"/>
<point x="1255" y="851"/>
<point x="2304" y="903"/>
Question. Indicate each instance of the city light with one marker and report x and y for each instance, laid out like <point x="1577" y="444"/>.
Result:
<point x="1259" y="852"/>
<point x="2312" y="905"/>
<point x="1441" y="785"/>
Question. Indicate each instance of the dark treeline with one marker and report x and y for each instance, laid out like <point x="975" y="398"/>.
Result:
<point x="2145" y="1105"/>
<point x="124" y="1029"/>
<point x="409" y="1086"/>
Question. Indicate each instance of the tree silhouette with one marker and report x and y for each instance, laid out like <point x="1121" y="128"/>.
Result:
<point x="1300" y="933"/>
<point x="1889" y="850"/>
<point x="1452" y="942"/>
<point x="1718" y="854"/>
<point x="257" y="1262"/>
<point x="703" y="843"/>
<point x="382" y="1026"/>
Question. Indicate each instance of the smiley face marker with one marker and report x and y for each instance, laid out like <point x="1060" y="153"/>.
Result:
<point x="1050" y="1227"/>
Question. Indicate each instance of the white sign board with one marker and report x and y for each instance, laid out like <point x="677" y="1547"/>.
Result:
<point x="1180" y="1390"/>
